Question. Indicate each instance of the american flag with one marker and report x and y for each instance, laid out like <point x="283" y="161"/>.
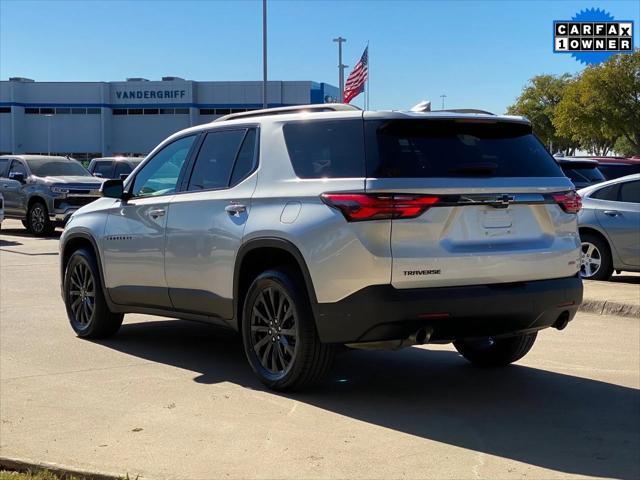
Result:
<point x="357" y="78"/>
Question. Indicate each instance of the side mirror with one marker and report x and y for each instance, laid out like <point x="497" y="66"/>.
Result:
<point x="18" y="177"/>
<point x="123" y="176"/>
<point x="112" y="189"/>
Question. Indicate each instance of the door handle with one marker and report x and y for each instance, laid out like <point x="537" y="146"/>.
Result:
<point x="158" y="212"/>
<point x="612" y="213"/>
<point x="235" y="209"/>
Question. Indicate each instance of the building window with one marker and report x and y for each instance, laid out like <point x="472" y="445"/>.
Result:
<point x="5" y="109"/>
<point x="60" y="111"/>
<point x="79" y="111"/>
<point x="47" y="111"/>
<point x="119" y="111"/>
<point x="167" y="111"/>
<point x="223" y="111"/>
<point x="135" y="111"/>
<point x="238" y="110"/>
<point x="207" y="111"/>
<point x="31" y="111"/>
<point x="151" y="111"/>
<point x="182" y="111"/>
<point x="93" y="111"/>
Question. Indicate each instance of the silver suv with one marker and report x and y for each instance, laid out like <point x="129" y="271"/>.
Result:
<point x="304" y="228"/>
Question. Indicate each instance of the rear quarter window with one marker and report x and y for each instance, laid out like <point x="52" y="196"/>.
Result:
<point x="455" y="148"/>
<point x="326" y="149"/>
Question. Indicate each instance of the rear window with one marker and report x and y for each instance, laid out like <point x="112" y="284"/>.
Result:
<point x="591" y="175"/>
<point x="618" y="170"/>
<point x="331" y="149"/>
<point x="448" y="148"/>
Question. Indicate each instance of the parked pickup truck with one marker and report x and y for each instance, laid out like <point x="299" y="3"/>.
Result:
<point x="43" y="191"/>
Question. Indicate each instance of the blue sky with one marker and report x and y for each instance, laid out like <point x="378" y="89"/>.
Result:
<point x="478" y="53"/>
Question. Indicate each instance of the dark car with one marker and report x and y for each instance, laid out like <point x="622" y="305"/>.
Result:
<point x="113" y="167"/>
<point x="582" y="172"/>
<point x="616" y="167"/>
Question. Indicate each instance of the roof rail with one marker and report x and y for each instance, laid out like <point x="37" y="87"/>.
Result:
<point x="464" y="110"/>
<point x="319" y="107"/>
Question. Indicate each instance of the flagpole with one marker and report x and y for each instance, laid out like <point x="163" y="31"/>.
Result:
<point x="368" y="76"/>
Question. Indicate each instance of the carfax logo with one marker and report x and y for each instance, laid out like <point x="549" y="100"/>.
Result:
<point x="592" y="36"/>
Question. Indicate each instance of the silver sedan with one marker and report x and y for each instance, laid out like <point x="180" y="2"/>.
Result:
<point x="609" y="225"/>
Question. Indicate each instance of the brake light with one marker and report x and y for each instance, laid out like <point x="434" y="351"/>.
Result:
<point x="357" y="207"/>
<point x="570" y="202"/>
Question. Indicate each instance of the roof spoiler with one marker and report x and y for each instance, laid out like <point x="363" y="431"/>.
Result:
<point x="320" y="107"/>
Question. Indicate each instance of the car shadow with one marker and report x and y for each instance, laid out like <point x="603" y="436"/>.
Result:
<point x="625" y="279"/>
<point x="9" y="243"/>
<point x="552" y="420"/>
<point x="21" y="232"/>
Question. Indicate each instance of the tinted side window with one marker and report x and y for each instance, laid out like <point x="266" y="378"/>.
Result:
<point x="103" y="168"/>
<point x="246" y="157"/>
<point x="122" y="168"/>
<point x="215" y="160"/>
<point x="329" y="149"/>
<point x="630" y="192"/>
<point x="607" y="193"/>
<point x="4" y="167"/>
<point x="17" y="167"/>
<point x="160" y="175"/>
<point x="455" y="148"/>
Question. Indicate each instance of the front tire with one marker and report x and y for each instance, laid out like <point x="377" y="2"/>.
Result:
<point x="496" y="352"/>
<point x="87" y="308"/>
<point x="38" y="220"/>
<point x="279" y="333"/>
<point x="595" y="258"/>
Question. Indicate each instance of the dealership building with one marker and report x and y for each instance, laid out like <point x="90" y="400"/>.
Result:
<point x="93" y="119"/>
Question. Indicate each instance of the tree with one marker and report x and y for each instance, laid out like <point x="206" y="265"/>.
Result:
<point x="602" y="105"/>
<point x="538" y="102"/>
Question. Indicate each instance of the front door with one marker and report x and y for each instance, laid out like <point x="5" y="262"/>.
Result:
<point x="621" y="220"/>
<point x="134" y="238"/>
<point x="206" y="223"/>
<point x="15" y="199"/>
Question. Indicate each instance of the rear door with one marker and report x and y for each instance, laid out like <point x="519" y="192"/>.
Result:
<point x="479" y="202"/>
<point x="206" y="222"/>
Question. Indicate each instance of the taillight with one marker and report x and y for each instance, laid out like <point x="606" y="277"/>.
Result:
<point x="570" y="202"/>
<point x="357" y="207"/>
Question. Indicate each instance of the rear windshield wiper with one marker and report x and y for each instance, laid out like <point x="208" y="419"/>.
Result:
<point x="475" y="168"/>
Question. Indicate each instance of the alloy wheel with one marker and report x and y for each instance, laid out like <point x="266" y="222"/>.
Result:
<point x="37" y="219"/>
<point x="590" y="260"/>
<point x="274" y="331"/>
<point x="82" y="293"/>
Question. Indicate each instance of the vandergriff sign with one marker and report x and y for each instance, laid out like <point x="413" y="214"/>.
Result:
<point x="151" y="92"/>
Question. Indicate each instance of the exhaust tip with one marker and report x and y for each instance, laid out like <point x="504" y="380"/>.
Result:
<point x="562" y="321"/>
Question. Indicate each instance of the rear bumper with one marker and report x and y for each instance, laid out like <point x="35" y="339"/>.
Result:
<point x="382" y="312"/>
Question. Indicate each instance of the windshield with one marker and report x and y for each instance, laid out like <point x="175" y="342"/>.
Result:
<point x="60" y="167"/>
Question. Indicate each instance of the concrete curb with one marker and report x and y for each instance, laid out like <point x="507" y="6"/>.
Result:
<point x="606" y="307"/>
<point x="18" y="465"/>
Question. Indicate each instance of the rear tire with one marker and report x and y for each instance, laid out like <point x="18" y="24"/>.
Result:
<point x="38" y="219"/>
<point x="279" y="333"/>
<point x="595" y="258"/>
<point x="87" y="308"/>
<point x="496" y="352"/>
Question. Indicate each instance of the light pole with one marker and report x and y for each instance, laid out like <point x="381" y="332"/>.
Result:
<point x="341" y="67"/>
<point x="443" y="96"/>
<point x="264" y="53"/>
<point x="49" y="115"/>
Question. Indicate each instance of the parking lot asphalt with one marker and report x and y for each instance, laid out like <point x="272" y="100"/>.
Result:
<point x="175" y="399"/>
